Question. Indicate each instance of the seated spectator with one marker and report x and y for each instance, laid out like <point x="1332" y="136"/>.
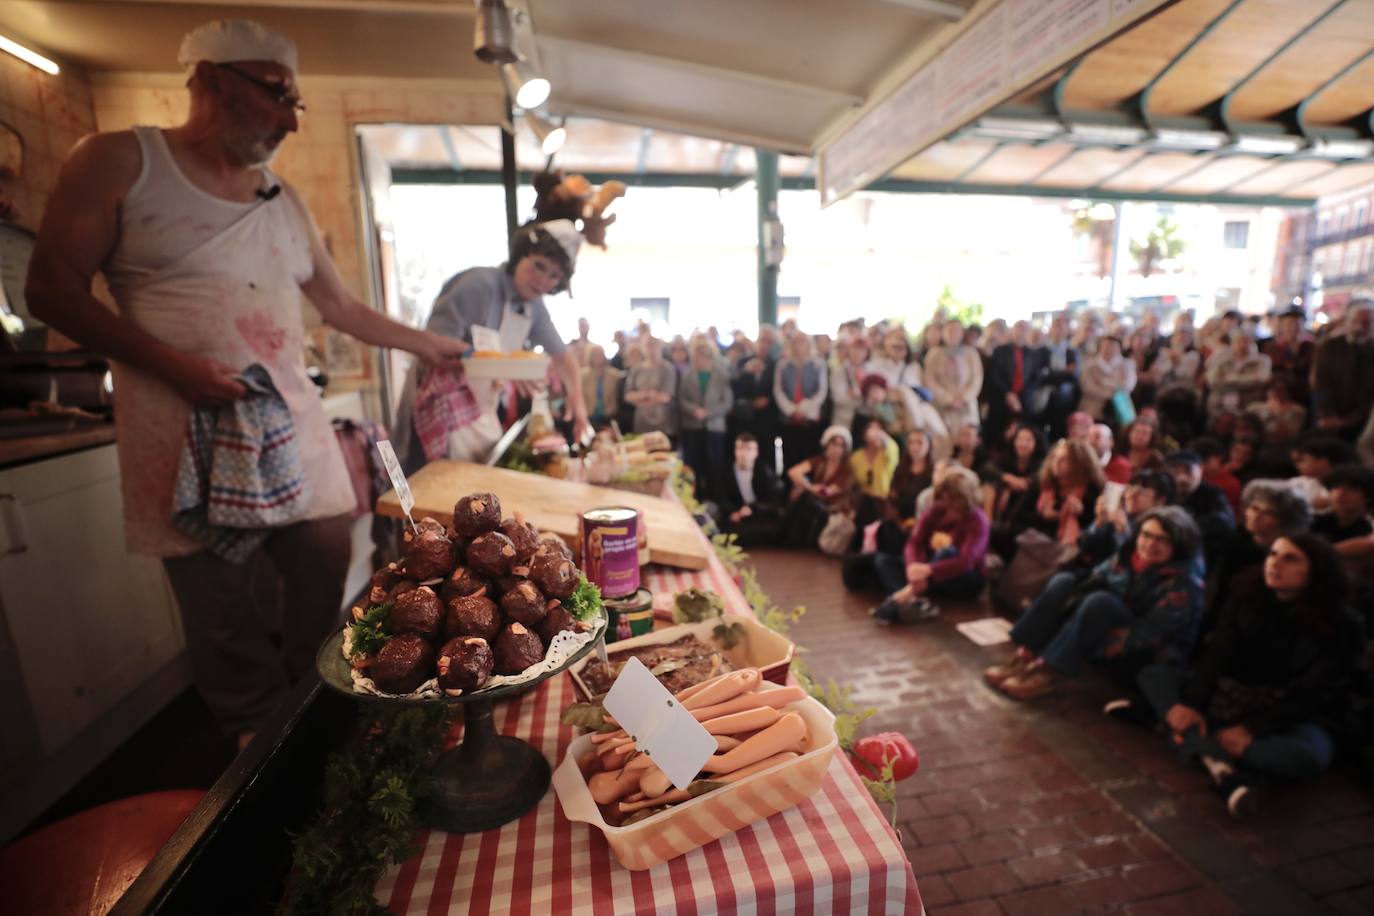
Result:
<point x="1011" y="473"/>
<point x="1283" y="417"/>
<point x="820" y="485"/>
<point x="1113" y="525"/>
<point x="944" y="558"/>
<point x="1061" y="502"/>
<point x="1270" y="686"/>
<point x="1242" y="461"/>
<point x="1106" y="373"/>
<point x="968" y="447"/>
<point x="1080" y="426"/>
<point x="1141" y="446"/>
<point x="1270" y="509"/>
<point x="1115" y="466"/>
<point x="1315" y="457"/>
<point x="1177" y="368"/>
<point x="1215" y="471"/>
<point x="703" y="403"/>
<point x="901" y="410"/>
<point x="1140" y="606"/>
<point x="1205" y="503"/>
<point x="800" y="384"/>
<point x="750" y="496"/>
<point x="872" y="467"/>
<point x="600" y="387"/>
<point x="1350" y="530"/>
<point x="915" y="473"/>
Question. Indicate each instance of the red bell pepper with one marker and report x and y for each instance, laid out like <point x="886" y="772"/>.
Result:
<point x="872" y="753"/>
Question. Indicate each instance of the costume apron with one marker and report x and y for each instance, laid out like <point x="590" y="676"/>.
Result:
<point x="218" y="279"/>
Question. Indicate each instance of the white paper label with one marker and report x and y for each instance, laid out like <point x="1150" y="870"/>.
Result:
<point x="486" y="339"/>
<point x="675" y="741"/>
<point x="398" y="478"/>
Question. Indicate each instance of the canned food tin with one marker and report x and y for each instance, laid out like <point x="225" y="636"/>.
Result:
<point x="629" y="616"/>
<point x="608" y="539"/>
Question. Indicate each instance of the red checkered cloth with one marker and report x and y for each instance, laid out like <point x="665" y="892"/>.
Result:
<point x="443" y="403"/>
<point x="834" y="853"/>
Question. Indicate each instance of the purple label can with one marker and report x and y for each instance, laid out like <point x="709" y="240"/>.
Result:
<point x="610" y="550"/>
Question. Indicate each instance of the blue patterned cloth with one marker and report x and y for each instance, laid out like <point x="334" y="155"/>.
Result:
<point x="240" y="474"/>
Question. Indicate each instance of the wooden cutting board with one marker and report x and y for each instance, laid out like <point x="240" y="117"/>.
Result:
<point x="552" y="505"/>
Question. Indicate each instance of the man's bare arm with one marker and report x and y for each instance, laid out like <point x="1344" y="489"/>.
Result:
<point x="79" y="231"/>
<point x="341" y="309"/>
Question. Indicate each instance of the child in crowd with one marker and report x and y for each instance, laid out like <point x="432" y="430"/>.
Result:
<point x="1315" y="457"/>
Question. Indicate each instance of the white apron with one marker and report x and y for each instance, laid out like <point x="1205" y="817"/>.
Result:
<point x="231" y="292"/>
<point x="475" y="441"/>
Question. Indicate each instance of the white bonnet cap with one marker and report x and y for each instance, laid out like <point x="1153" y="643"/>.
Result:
<point x="565" y="234"/>
<point x="227" y="40"/>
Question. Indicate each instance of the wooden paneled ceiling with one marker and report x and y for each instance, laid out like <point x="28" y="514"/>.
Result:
<point x="1215" y="99"/>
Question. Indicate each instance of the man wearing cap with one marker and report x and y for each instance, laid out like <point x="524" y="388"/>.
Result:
<point x="207" y="254"/>
<point x="1206" y="503"/>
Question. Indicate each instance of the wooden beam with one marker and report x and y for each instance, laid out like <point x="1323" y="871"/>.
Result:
<point x="462" y="8"/>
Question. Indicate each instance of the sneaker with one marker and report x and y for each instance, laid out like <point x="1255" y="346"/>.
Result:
<point x="1128" y="710"/>
<point x="886" y="613"/>
<point x="918" y="611"/>
<point x="1240" y="796"/>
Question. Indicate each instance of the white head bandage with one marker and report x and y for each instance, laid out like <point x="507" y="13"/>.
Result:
<point x="227" y="40"/>
<point x="565" y="234"/>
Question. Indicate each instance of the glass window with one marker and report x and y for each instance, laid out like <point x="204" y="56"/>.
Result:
<point x="655" y="308"/>
<point x="1352" y="260"/>
<point x="1236" y="234"/>
<point x="1357" y="217"/>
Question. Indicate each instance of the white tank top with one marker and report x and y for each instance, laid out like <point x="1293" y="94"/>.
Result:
<point x="219" y="279"/>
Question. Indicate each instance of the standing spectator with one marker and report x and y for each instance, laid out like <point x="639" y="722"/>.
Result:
<point x="1177" y="368"/>
<point x="1270" y="686"/>
<point x="1205" y="503"/>
<point x="679" y="355"/>
<point x="1103" y="376"/>
<point x="800" y="383"/>
<point x="846" y="380"/>
<point x="750" y="496"/>
<point x="1236" y="376"/>
<point x="755" y="410"/>
<point x="930" y="339"/>
<point x="703" y="400"/>
<point x="580" y="344"/>
<point x="954" y="375"/>
<point x="1013" y="374"/>
<point x="1058" y="391"/>
<point x="652" y="389"/>
<point x="1343" y="374"/>
<point x="895" y="362"/>
<point x="1144" y="351"/>
<point x="768" y="345"/>
<point x="1290" y="353"/>
<point x="601" y="387"/>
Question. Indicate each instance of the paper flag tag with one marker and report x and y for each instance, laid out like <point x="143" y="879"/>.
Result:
<point x="675" y="741"/>
<point x="485" y="339"/>
<point x="398" y="478"/>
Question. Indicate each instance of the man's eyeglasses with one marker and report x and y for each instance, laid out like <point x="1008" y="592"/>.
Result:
<point x="279" y="93"/>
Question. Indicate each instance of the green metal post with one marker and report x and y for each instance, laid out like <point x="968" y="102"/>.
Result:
<point x="768" y="184"/>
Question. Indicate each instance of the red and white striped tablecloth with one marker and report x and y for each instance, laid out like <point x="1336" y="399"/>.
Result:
<point x="834" y="853"/>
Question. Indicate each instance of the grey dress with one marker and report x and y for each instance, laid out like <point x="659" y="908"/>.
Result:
<point x="659" y="377"/>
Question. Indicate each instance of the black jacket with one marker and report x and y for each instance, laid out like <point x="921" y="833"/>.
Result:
<point x="767" y="491"/>
<point x="1210" y="508"/>
<point x="1264" y="642"/>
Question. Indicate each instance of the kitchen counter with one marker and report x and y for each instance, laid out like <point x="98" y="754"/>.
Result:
<point x="34" y="448"/>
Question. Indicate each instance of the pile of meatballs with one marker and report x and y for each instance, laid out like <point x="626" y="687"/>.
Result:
<point x="484" y="596"/>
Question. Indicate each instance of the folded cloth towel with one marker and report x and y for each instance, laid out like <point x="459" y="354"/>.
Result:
<point x="240" y="474"/>
<point x="444" y="402"/>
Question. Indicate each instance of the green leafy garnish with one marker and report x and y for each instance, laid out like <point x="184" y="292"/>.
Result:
<point x="372" y="631"/>
<point x="729" y="636"/>
<point x="585" y="602"/>
<point x="587" y="715"/>
<point x="695" y="605"/>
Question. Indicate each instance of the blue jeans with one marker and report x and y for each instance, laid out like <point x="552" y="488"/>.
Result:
<point x="1301" y="752"/>
<point x="1066" y="643"/>
<point x="890" y="570"/>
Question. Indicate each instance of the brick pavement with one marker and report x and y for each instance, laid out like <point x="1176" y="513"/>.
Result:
<point x="1051" y="808"/>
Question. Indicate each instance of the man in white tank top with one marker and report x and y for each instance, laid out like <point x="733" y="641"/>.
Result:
<point x="207" y="254"/>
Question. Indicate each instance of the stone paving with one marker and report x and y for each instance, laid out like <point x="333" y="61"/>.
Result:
<point x="1051" y="808"/>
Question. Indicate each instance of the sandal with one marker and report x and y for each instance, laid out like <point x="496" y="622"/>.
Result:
<point x="1029" y="685"/>
<point x="999" y="674"/>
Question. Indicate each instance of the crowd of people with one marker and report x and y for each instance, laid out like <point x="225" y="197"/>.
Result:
<point x="1186" y="510"/>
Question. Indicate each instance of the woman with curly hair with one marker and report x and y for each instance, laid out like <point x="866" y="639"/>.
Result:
<point x="1138" y="607"/>
<point x="1261" y="700"/>
<point x="1061" y="501"/>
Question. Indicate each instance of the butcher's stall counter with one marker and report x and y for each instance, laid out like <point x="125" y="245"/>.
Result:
<point x="834" y="853"/>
